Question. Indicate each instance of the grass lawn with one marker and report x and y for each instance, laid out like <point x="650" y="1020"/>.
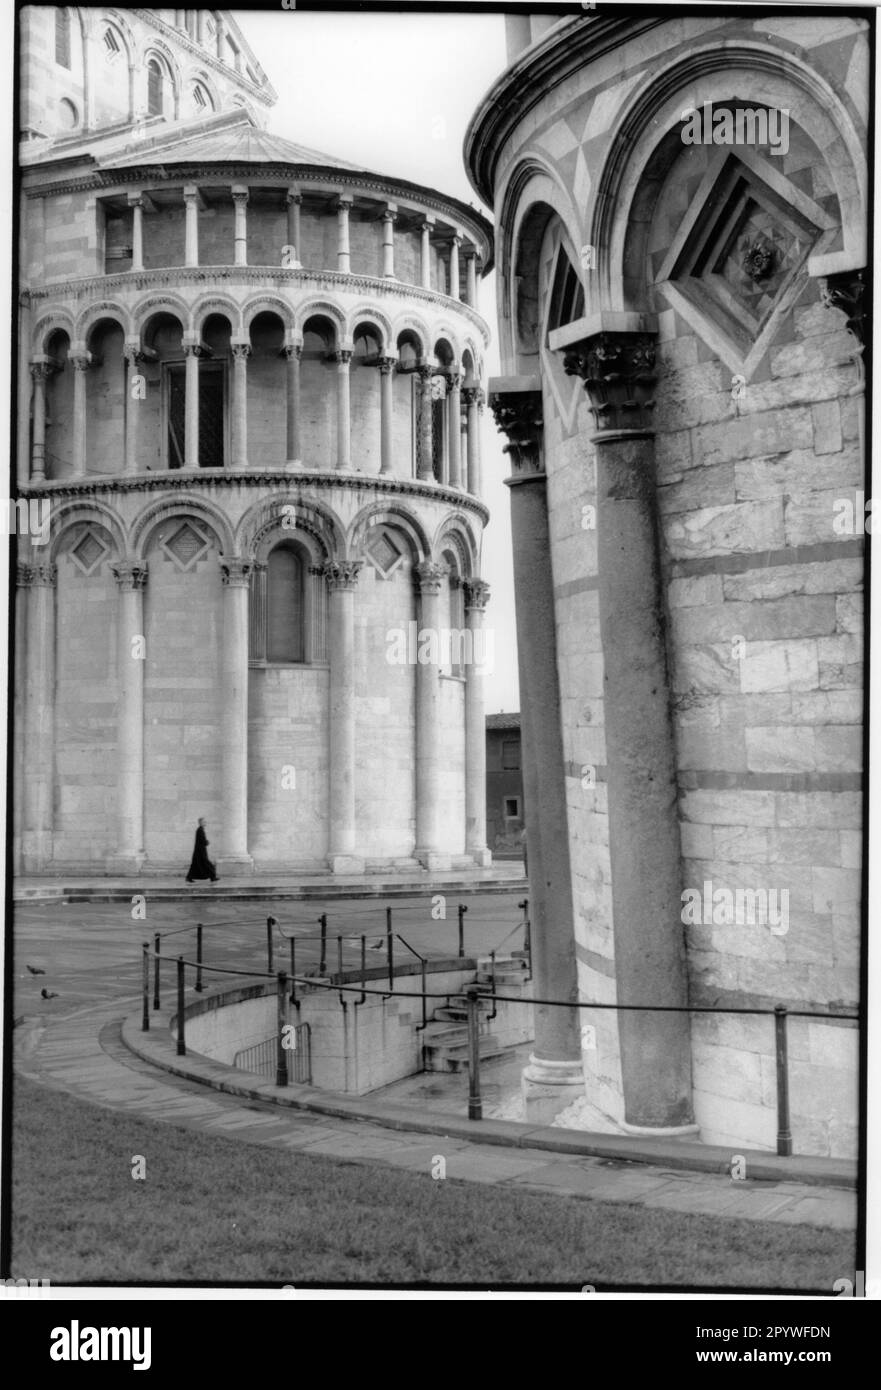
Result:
<point x="215" y="1211"/>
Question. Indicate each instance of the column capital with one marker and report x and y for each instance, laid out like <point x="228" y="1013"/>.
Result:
<point x="241" y="351"/>
<point x="471" y="395"/>
<point x="618" y="371"/>
<point x="39" y="576"/>
<point x="386" y="364"/>
<point x="132" y="353"/>
<point x="847" y="291"/>
<point x="343" y="356"/>
<point x="136" y="199"/>
<point x="454" y="380"/>
<point x="516" y="404"/>
<point x="22" y="576"/>
<point x="82" y="361"/>
<point x="293" y="195"/>
<point x="390" y="212"/>
<point x="431" y="576"/>
<point x="456" y="239"/>
<point x="428" y="224"/>
<point x="240" y="193"/>
<point x="293" y="351"/>
<point x="476" y="595"/>
<point x="194" y="350"/>
<point x="130" y="574"/>
<point x="341" y="576"/>
<point x="235" y="571"/>
<point x="42" y="369"/>
<point x="344" y="202"/>
<point x="192" y="194"/>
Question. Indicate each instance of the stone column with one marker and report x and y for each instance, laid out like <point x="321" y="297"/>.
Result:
<point x="342" y="577"/>
<point x="25" y="388"/>
<point x="386" y="404"/>
<point x="130" y="660"/>
<point x="220" y="37"/>
<point x="388" y="241"/>
<point x="193" y="352"/>
<point x="241" y="351"/>
<point x="471" y="398"/>
<point x="294" y="202"/>
<point x="425" y="470"/>
<point x="132" y="355"/>
<point x="618" y="369"/>
<point x="476" y="599"/>
<point x="454" y="429"/>
<point x="454" y="267"/>
<point x="554" y="1077"/>
<point x="426" y="228"/>
<point x="136" y="203"/>
<point x="39" y="716"/>
<point x="471" y="276"/>
<point x="235" y="576"/>
<point x="80" y="361"/>
<point x="240" y="201"/>
<point x="191" y="201"/>
<point x="431" y="578"/>
<point x="344" y="427"/>
<point x="41" y="370"/>
<point x="293" y="352"/>
<point x="342" y="214"/>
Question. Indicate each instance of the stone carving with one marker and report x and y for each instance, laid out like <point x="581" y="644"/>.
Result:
<point x="618" y="370"/>
<point x="847" y="292"/>
<point x="130" y="574"/>
<point x="476" y="594"/>
<point x="342" y="575"/>
<point x="235" y="572"/>
<point x="758" y="260"/>
<point x="431" y="576"/>
<point x="518" y="414"/>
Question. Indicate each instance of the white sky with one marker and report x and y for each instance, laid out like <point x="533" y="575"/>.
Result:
<point x="396" y="92"/>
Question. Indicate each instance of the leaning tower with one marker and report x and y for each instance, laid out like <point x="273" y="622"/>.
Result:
<point x="250" y="395"/>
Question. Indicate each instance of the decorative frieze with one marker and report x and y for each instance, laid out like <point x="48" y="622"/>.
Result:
<point x="235" y="572"/>
<point x="130" y="574"/>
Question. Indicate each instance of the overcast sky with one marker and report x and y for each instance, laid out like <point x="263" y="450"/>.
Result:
<point x="396" y="92"/>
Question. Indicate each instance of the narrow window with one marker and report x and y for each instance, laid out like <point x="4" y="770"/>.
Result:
<point x="154" y="88"/>
<point x="62" y="38"/>
<point x="285" y="608"/>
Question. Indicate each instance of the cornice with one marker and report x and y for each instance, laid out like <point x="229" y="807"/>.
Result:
<point x="181" y="480"/>
<point x="569" y="47"/>
<point x="325" y="281"/>
<point x="326" y="178"/>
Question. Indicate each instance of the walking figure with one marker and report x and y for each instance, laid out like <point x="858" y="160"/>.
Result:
<point x="201" y="866"/>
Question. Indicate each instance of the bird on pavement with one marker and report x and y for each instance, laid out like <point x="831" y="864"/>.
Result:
<point x="35" y="969"/>
<point x="48" y="994"/>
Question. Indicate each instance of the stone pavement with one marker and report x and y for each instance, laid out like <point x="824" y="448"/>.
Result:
<point x="74" y="1043"/>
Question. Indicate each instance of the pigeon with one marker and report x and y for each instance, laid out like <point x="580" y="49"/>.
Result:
<point x="48" y="994"/>
<point x="377" y="946"/>
<point x="35" y="969"/>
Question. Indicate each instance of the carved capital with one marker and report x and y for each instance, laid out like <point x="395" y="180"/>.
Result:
<point x="431" y="576"/>
<point x="848" y="292"/>
<point x="471" y="395"/>
<point x="132" y="354"/>
<point x="386" y="365"/>
<point x="81" y="361"/>
<point x="240" y="351"/>
<point x="476" y="595"/>
<point x="194" y="350"/>
<point x="343" y="356"/>
<point x="235" y="572"/>
<point x="618" y="371"/>
<point x="39" y="576"/>
<point x="130" y="574"/>
<point x="294" y="195"/>
<point x="518" y="414"/>
<point x="293" y="351"/>
<point x="41" y="371"/>
<point x="341" y="576"/>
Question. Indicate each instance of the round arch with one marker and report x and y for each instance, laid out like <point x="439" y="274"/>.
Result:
<point x="58" y="320"/>
<point x="266" y="304"/>
<point x="71" y="514"/>
<point x="321" y="308"/>
<point x="162" y="304"/>
<point x="225" y="305"/>
<point x="374" y="319"/>
<point x="455" y="533"/>
<point x="396" y="518"/>
<point x="287" y="516"/>
<point x="180" y="505"/>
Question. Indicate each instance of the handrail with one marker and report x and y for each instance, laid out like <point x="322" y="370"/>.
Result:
<point x="422" y="961"/>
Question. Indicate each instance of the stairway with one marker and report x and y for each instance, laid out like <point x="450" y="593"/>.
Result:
<point x="445" y="1038"/>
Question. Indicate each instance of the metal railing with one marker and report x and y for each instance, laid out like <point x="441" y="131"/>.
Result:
<point x="262" y="1057"/>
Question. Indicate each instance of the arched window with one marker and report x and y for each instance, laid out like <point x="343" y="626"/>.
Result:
<point x="154" y="88"/>
<point x="62" y="38"/>
<point x="567" y="295"/>
<point x="201" y="99"/>
<point x="285" y="608"/>
<point x="112" y="45"/>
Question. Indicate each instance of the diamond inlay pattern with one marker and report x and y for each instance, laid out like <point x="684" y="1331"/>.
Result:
<point x="89" y="552"/>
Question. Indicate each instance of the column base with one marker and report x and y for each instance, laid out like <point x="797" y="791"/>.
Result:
<point x="482" y="857"/>
<point x="434" y="861"/>
<point x="345" y="864"/>
<point x="234" y="864"/>
<point x="126" y="865"/>
<point x="292" y="464"/>
<point x="548" y="1087"/>
<point x="670" y="1132"/>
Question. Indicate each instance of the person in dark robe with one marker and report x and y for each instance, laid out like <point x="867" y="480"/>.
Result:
<point x="201" y="866"/>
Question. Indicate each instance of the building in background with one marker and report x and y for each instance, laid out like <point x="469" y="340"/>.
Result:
<point x="681" y="248"/>
<point x="250" y="379"/>
<point x="504" y="786"/>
